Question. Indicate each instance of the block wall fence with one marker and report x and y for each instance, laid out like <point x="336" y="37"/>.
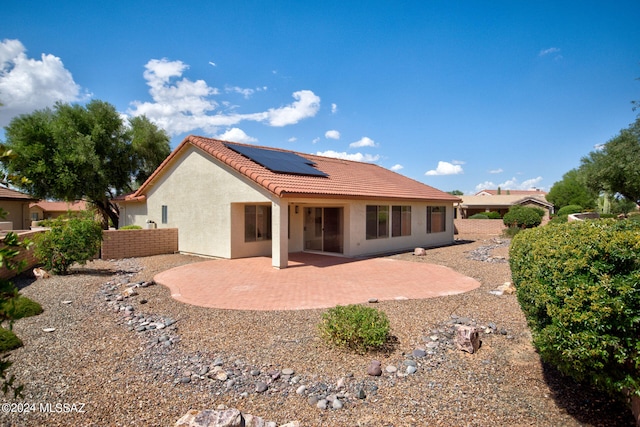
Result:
<point x="479" y="226"/>
<point x="116" y="244"/>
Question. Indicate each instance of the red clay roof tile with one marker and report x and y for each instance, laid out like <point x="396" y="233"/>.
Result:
<point x="346" y="179"/>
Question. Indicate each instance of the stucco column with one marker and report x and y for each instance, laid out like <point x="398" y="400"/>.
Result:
<point x="279" y="235"/>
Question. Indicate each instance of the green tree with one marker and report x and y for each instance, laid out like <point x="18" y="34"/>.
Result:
<point x="572" y="190"/>
<point x="456" y="193"/>
<point x="616" y="167"/>
<point x="74" y="152"/>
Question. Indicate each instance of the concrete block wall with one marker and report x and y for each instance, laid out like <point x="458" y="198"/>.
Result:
<point x="118" y="244"/>
<point x="26" y="255"/>
<point x="479" y="226"/>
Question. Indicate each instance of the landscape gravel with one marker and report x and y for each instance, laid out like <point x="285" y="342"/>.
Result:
<point x="146" y="359"/>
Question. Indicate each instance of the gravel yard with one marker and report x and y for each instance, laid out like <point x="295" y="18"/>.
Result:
<point x="108" y="373"/>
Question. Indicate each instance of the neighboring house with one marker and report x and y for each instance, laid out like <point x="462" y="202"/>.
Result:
<point x="501" y="201"/>
<point x="49" y="210"/>
<point x="16" y="205"/>
<point x="233" y="200"/>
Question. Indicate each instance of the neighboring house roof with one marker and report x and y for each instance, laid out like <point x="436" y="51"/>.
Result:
<point x="501" y="201"/>
<point x="8" y="194"/>
<point x="511" y="193"/>
<point x="46" y="206"/>
<point x="344" y="178"/>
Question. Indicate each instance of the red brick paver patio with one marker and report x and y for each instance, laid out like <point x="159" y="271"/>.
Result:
<point x="311" y="281"/>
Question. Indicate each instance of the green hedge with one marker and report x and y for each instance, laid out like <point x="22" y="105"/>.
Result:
<point x="523" y="217"/>
<point x="579" y="287"/>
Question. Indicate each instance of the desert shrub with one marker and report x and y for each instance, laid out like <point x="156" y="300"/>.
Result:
<point x="493" y="215"/>
<point x="71" y="240"/>
<point x="479" y="216"/>
<point x="579" y="287"/>
<point x="568" y="210"/>
<point x="8" y="340"/>
<point x="355" y="327"/>
<point x="131" y="227"/>
<point x="523" y="217"/>
<point x="21" y="306"/>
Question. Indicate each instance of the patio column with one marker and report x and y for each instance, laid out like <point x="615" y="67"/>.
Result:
<point x="279" y="235"/>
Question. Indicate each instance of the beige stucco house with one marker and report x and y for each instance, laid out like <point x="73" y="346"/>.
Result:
<point x="16" y="205"/>
<point x="45" y="209"/>
<point x="234" y="200"/>
<point x="501" y="201"/>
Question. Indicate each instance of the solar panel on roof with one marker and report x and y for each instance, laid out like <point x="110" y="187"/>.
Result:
<point x="278" y="161"/>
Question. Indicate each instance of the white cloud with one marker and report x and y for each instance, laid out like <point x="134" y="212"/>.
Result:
<point x="511" y="184"/>
<point x="487" y="185"/>
<point x="180" y="105"/>
<point x="315" y="140"/>
<point x="552" y="51"/>
<point x="549" y="51"/>
<point x="396" y="167"/>
<point x="358" y="157"/>
<point x="496" y="171"/>
<point x="332" y="134"/>
<point x="246" y="92"/>
<point x="458" y="162"/>
<point x="363" y="142"/>
<point x="236" y="135"/>
<point x="213" y="64"/>
<point x="28" y="84"/>
<point x="292" y="139"/>
<point x="334" y="108"/>
<point x="445" y="168"/>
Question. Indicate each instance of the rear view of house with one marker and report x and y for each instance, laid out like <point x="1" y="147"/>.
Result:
<point x="234" y="200"/>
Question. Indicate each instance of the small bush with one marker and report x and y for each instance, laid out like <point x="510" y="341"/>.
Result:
<point x="131" y="227"/>
<point x="494" y="215"/>
<point x="479" y="216"/>
<point x="579" y="287"/>
<point x="523" y="217"/>
<point x="8" y="340"/>
<point x="76" y="239"/>
<point x="20" y="307"/>
<point x="570" y="209"/>
<point x="355" y="326"/>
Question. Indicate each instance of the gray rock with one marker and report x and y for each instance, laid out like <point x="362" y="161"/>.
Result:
<point x="313" y="400"/>
<point x="301" y="389"/>
<point x="374" y="369"/>
<point x="322" y="404"/>
<point x="185" y="380"/>
<point x="409" y="362"/>
<point x="411" y="370"/>
<point x="361" y="394"/>
<point x="336" y="404"/>
<point x="373" y="300"/>
<point x="391" y="369"/>
<point x="418" y="352"/>
<point x="287" y="371"/>
<point x="261" y="387"/>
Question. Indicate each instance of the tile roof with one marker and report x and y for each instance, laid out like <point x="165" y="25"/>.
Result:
<point x="502" y="200"/>
<point x="346" y="179"/>
<point x="8" y="194"/>
<point x="60" y="206"/>
<point x="512" y="192"/>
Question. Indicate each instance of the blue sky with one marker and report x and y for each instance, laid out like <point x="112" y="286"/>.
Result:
<point x="456" y="94"/>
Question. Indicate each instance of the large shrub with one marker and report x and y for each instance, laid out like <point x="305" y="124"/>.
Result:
<point x="355" y="326"/>
<point x="523" y="217"/>
<point x="21" y="306"/>
<point x="579" y="287"/>
<point x="70" y="240"/>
